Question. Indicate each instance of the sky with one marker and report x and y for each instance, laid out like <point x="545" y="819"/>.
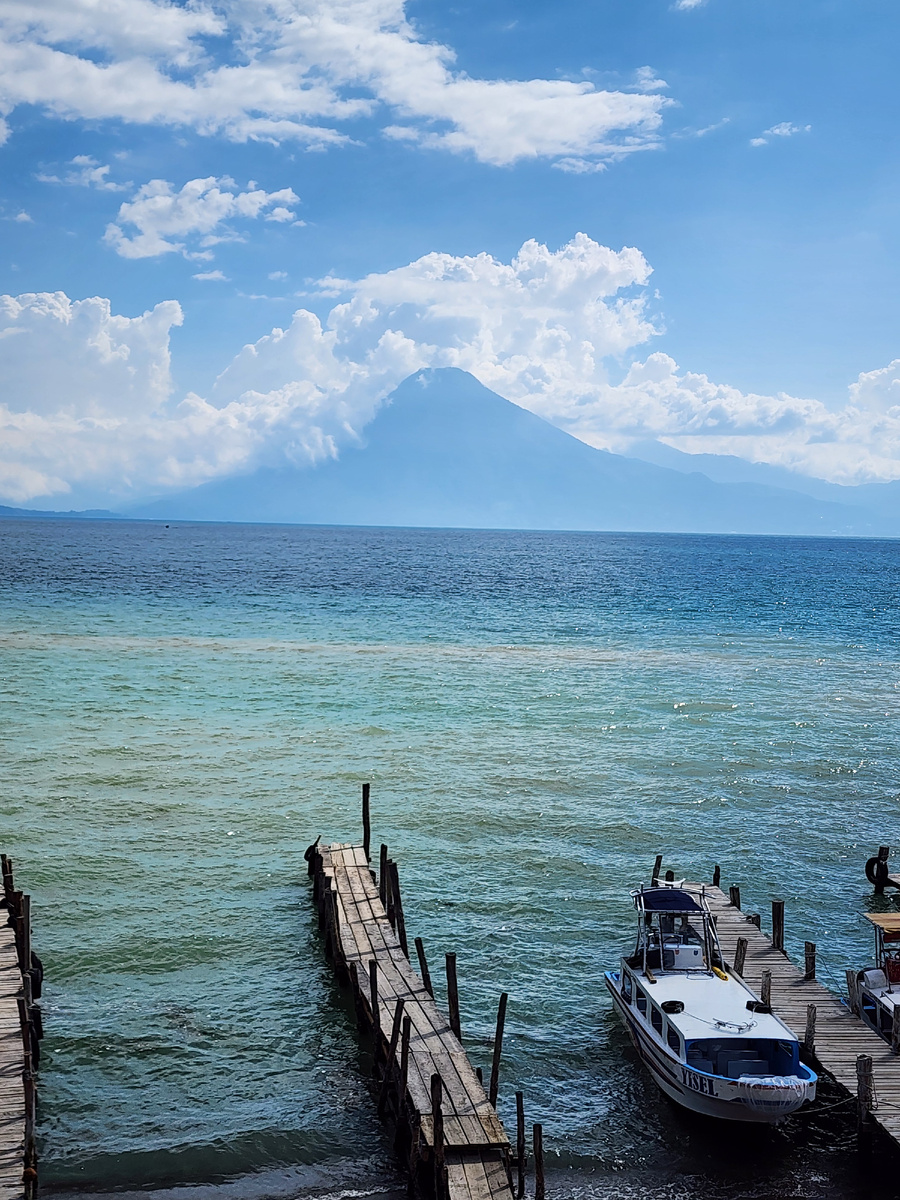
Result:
<point x="230" y="229"/>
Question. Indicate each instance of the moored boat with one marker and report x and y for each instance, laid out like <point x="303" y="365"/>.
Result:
<point x="707" y="1040"/>
<point x="877" y="987"/>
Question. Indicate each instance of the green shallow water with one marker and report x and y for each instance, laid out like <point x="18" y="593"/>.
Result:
<point x="185" y="709"/>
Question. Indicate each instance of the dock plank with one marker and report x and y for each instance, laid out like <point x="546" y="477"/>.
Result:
<point x="12" y="1094"/>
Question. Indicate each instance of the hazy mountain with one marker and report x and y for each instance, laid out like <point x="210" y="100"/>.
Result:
<point x="50" y="515"/>
<point x="446" y="451"/>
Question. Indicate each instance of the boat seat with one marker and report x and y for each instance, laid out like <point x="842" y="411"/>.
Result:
<point x="745" y="1066"/>
<point x="702" y="1064"/>
<point x="875" y="981"/>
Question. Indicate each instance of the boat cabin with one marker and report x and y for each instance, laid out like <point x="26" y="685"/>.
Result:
<point x="878" y="987"/>
<point x="675" y="932"/>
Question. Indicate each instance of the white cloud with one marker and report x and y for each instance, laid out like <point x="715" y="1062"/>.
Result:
<point x="687" y="5"/>
<point x="298" y="71"/>
<point x="88" y="173"/>
<point x="159" y="214"/>
<point x="23" y="218"/>
<point x="278" y="274"/>
<point x="783" y="130"/>
<point x="211" y="275"/>
<point x="88" y="397"/>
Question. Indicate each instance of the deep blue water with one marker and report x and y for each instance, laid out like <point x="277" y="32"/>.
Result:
<point x="186" y="708"/>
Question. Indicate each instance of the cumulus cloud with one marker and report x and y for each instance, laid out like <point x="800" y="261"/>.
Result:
<point x="88" y="172"/>
<point x="784" y="129"/>
<point x="299" y="71"/>
<point x="197" y="212"/>
<point x="88" y="396"/>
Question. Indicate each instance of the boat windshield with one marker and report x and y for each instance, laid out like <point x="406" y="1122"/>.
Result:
<point x="674" y="932"/>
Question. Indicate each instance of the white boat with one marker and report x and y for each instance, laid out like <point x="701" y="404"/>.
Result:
<point x="706" y="1039"/>
<point x="877" y="987"/>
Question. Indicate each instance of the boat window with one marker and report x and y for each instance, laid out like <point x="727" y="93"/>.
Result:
<point x="641" y="1001"/>
<point x="656" y="1019"/>
<point x="673" y="1037"/>
<point x="626" y="986"/>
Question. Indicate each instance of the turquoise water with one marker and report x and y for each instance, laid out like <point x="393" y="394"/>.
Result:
<point x="186" y="708"/>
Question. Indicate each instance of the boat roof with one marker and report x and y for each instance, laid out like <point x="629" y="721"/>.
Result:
<point x="666" y="899"/>
<point x="714" y="1008"/>
<point x="889" y="922"/>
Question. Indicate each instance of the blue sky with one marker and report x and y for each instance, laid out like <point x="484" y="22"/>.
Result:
<point x="226" y="159"/>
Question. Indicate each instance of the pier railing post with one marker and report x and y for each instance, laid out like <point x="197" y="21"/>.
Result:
<point x="404" y="1059"/>
<point x="498" y="1050"/>
<point x="437" y="1127"/>
<point x="740" y="954"/>
<point x="453" y="995"/>
<point x="520" y="1145"/>
<point x="373" y="994"/>
<point x="367" y="826"/>
<point x="423" y="967"/>
<point x="387" y="1077"/>
<point x="537" y="1141"/>
<point x="765" y="988"/>
<point x="754" y="919"/>
<point x="864" y="1098"/>
<point x="382" y="875"/>
<point x="809" y="1038"/>
<point x="734" y="895"/>
<point x="778" y="925"/>
<point x="398" y="908"/>
<point x="810" y="960"/>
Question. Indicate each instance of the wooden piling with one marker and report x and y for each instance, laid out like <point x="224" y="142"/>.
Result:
<point x="520" y="1145"/>
<point x="382" y="874"/>
<point x="498" y="1049"/>
<point x="740" y="954"/>
<point x="755" y="919"/>
<point x="437" y="1124"/>
<point x="734" y="895"/>
<point x="453" y="995"/>
<point x="537" y="1141"/>
<point x="373" y="993"/>
<point x="809" y="1037"/>
<point x="864" y="1100"/>
<point x="717" y="875"/>
<point x="367" y="825"/>
<point x="778" y="925"/>
<point x="657" y="867"/>
<point x="809" y="960"/>
<point x="881" y="876"/>
<point x="399" y="920"/>
<point x="391" y="1056"/>
<point x="423" y="967"/>
<point x="404" y="1058"/>
<point x="765" y="990"/>
<point x="852" y="990"/>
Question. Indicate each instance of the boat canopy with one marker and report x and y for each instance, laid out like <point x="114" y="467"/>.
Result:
<point x="672" y="900"/>
<point x="889" y="922"/>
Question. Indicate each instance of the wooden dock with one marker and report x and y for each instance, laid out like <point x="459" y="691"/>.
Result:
<point x="20" y="1032"/>
<point x="837" y="1039"/>
<point x="446" y="1128"/>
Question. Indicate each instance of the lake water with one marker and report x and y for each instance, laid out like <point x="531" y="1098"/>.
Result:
<point x="186" y="708"/>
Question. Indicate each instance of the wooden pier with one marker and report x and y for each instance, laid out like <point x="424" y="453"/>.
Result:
<point x="445" y="1124"/>
<point x="20" y="1033"/>
<point x="834" y="1039"/>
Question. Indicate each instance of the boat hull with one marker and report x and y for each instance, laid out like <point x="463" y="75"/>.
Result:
<point x="710" y="1095"/>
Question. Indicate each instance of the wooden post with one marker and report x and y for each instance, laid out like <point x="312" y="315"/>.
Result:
<point x="353" y="972"/>
<point x="479" y="1075"/>
<point x="398" y="909"/>
<point x="437" y="1125"/>
<point x="810" y="956"/>
<point x="453" y="995"/>
<point x="670" y="876"/>
<point x="657" y="867"/>
<point x="778" y="925"/>
<point x="389" y="892"/>
<point x="881" y="876"/>
<point x="8" y="885"/>
<point x="404" y="1059"/>
<point x="373" y="994"/>
<point x="895" y="1030"/>
<point x="734" y="895"/>
<point x="852" y="990"/>
<point x="864" y="1096"/>
<point x="740" y="954"/>
<point x="391" y="1056"/>
<point x="423" y="967"/>
<point x="520" y="1144"/>
<point x="26" y="933"/>
<point x="537" y="1139"/>
<point x="382" y="875"/>
<point x="717" y="875"/>
<point x="765" y="988"/>
<point x="367" y="827"/>
<point x="754" y="919"/>
<point x="809" y="1037"/>
<point x="498" y="1049"/>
